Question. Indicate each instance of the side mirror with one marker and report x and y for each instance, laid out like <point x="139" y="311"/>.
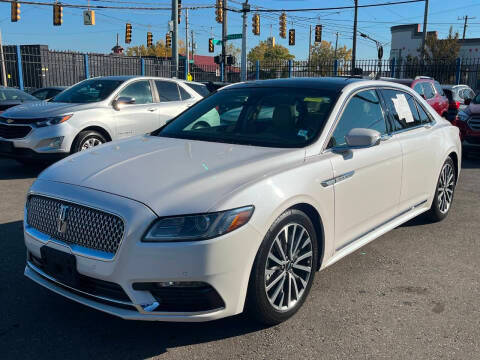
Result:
<point x="362" y="138"/>
<point x="467" y="101"/>
<point x="123" y="100"/>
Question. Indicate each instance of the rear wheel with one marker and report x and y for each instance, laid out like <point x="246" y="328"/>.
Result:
<point x="444" y="192"/>
<point x="284" y="269"/>
<point x="86" y="140"/>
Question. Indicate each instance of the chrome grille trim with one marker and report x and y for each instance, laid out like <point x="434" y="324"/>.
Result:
<point x="86" y="227"/>
<point x="474" y="123"/>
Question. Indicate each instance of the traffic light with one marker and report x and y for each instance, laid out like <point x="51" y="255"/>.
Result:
<point x="57" y="14"/>
<point x="283" y="25"/>
<point x="15" y="11"/>
<point x="179" y="10"/>
<point x="291" y="37"/>
<point x="318" y="33"/>
<point x="256" y="24"/>
<point x="219" y="11"/>
<point x="168" y="40"/>
<point x="149" y="39"/>
<point x="211" y="47"/>
<point x="128" y="33"/>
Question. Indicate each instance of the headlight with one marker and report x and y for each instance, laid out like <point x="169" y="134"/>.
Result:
<point x="53" y="120"/>
<point x="463" y="116"/>
<point x="198" y="227"/>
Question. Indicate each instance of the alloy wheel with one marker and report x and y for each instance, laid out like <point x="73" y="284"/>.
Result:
<point x="288" y="267"/>
<point x="89" y="143"/>
<point x="446" y="186"/>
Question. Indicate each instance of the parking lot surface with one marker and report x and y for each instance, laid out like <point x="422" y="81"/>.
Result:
<point x="414" y="293"/>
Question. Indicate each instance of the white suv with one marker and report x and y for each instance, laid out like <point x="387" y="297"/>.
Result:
<point x="93" y="112"/>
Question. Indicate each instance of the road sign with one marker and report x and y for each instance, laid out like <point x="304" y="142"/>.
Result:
<point x="234" y="36"/>
<point x="217" y="42"/>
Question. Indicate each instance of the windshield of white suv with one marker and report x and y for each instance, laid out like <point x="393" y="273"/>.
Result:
<point x="88" y="91"/>
<point x="273" y="117"/>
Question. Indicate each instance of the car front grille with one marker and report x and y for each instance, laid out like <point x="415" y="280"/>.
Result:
<point x="83" y="226"/>
<point x="474" y="123"/>
<point x="14" y="132"/>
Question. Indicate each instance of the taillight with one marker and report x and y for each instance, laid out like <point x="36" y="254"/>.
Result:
<point x="454" y="105"/>
<point x="457" y="105"/>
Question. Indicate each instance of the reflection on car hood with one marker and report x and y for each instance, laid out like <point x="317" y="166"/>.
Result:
<point x="43" y="109"/>
<point x="171" y="176"/>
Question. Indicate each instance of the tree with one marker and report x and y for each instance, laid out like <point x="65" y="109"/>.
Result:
<point x="231" y="49"/>
<point x="265" y="52"/>
<point x="323" y="56"/>
<point x="158" y="49"/>
<point x="442" y="49"/>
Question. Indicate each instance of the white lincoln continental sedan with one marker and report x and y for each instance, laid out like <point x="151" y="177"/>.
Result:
<point x="236" y="203"/>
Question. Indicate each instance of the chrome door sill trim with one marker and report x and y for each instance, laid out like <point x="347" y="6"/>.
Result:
<point x="381" y="225"/>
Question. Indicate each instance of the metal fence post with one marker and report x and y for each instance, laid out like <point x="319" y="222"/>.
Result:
<point x="142" y="66"/>
<point x="335" y="67"/>
<point x="257" y="70"/>
<point x="392" y="67"/>
<point x="20" y="69"/>
<point x="86" y="66"/>
<point x="290" y="68"/>
<point x="221" y="72"/>
<point x="186" y="69"/>
<point x="458" y="71"/>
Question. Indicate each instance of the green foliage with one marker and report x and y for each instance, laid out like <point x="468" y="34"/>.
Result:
<point x="442" y="49"/>
<point x="266" y="53"/>
<point x="158" y="49"/>
<point x="324" y="53"/>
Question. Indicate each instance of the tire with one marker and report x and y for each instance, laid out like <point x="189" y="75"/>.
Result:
<point x="444" y="192"/>
<point x="272" y="277"/>
<point x="87" y="139"/>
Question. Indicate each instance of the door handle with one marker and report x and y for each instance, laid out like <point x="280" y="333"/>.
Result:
<point x="151" y="109"/>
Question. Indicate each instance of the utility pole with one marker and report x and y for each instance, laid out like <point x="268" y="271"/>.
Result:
<point x="193" y="45"/>
<point x="354" y="47"/>
<point x="336" y="45"/>
<point x="187" y="65"/>
<point x="466" y="18"/>
<point x="245" y="10"/>
<point x="310" y="45"/>
<point x="224" y="39"/>
<point x="175" y="36"/>
<point x="4" y="74"/>
<point x="424" y="35"/>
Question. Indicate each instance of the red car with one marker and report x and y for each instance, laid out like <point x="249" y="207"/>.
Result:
<point x="468" y="121"/>
<point x="430" y="90"/>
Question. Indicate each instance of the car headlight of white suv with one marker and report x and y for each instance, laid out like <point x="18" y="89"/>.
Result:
<point x="198" y="227"/>
<point x="53" y="120"/>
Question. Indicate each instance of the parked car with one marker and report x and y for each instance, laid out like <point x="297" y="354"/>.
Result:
<point x="195" y="224"/>
<point x="48" y="92"/>
<point x="456" y="95"/>
<point x="215" y="85"/>
<point x="91" y="113"/>
<point x="430" y="90"/>
<point x="468" y="121"/>
<point x="10" y="97"/>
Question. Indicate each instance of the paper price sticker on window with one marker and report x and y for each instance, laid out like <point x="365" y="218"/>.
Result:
<point x="402" y="108"/>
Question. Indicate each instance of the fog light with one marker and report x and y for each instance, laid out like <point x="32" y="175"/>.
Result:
<point x="52" y="143"/>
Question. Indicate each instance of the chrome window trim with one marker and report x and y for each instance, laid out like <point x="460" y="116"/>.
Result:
<point x="78" y="250"/>
<point x="52" y="279"/>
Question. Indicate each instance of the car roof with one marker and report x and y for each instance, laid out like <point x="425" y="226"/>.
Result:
<point x="130" y="77"/>
<point x="329" y="83"/>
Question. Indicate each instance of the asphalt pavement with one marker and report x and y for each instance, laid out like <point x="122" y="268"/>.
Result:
<point x="414" y="293"/>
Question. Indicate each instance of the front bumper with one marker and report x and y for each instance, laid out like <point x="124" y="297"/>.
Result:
<point x="223" y="263"/>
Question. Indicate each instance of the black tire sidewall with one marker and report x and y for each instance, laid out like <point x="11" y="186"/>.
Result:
<point x="435" y="213"/>
<point x="257" y="302"/>
<point x="85" y="135"/>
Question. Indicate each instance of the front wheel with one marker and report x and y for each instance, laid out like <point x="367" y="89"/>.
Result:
<point x="86" y="140"/>
<point x="284" y="269"/>
<point x="444" y="192"/>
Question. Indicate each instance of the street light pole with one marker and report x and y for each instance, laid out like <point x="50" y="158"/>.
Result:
<point x="424" y="35"/>
<point x="175" y="36"/>
<point x="354" y="47"/>
<point x="379" y="51"/>
<point x="245" y="10"/>
<point x="224" y="39"/>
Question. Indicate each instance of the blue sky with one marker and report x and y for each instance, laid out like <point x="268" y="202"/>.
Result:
<point x="35" y="26"/>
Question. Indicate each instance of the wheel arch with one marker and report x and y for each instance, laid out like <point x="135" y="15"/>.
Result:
<point x="454" y="156"/>
<point x="98" y="129"/>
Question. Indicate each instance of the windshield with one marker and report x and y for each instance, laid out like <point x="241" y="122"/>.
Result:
<point x="88" y="91"/>
<point x="273" y="117"/>
<point x="14" y="94"/>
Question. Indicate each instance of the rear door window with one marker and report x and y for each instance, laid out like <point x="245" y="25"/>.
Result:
<point x="424" y="118"/>
<point x="428" y="90"/>
<point x="167" y="91"/>
<point x="199" y="88"/>
<point x="438" y="88"/>
<point x="185" y="95"/>
<point x="419" y="88"/>
<point x="402" y="109"/>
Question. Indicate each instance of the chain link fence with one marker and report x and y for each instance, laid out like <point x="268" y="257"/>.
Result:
<point x="41" y="67"/>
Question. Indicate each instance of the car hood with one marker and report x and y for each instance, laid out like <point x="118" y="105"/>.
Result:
<point x="171" y="176"/>
<point x="41" y="109"/>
